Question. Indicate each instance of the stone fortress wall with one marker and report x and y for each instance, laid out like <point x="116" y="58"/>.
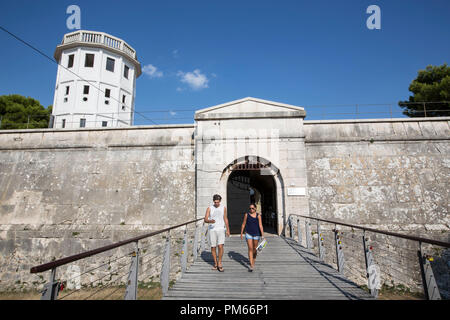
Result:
<point x="66" y="191"/>
<point x="390" y="174"/>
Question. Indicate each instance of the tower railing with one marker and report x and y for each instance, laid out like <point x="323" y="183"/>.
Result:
<point x="381" y="259"/>
<point x="128" y="269"/>
<point x="99" y="38"/>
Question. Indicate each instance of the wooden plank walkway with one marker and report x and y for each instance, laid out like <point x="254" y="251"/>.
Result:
<point x="283" y="271"/>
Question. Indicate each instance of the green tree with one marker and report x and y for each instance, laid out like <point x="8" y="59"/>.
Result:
<point x="19" y="112"/>
<point x="430" y="89"/>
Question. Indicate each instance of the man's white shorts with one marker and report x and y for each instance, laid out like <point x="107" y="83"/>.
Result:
<point x="216" y="237"/>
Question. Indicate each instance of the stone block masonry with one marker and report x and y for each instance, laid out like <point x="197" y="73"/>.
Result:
<point x="381" y="172"/>
<point x="392" y="175"/>
<point x="63" y="192"/>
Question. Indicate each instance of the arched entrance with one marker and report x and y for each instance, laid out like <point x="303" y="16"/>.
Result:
<point x="248" y="183"/>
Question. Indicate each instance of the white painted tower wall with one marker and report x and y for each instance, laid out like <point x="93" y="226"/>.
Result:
<point x="72" y="103"/>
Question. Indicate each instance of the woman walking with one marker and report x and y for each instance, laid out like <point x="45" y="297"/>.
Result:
<point x="253" y="232"/>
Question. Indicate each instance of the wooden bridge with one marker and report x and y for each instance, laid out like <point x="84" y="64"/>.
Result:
<point x="283" y="270"/>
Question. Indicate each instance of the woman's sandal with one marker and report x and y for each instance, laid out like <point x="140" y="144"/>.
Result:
<point x="220" y="269"/>
<point x="215" y="267"/>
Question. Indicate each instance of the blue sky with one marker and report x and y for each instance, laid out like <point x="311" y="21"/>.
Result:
<point x="305" y="53"/>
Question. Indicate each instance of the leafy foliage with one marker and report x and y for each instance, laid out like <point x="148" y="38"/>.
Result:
<point x="19" y="112"/>
<point x="431" y="85"/>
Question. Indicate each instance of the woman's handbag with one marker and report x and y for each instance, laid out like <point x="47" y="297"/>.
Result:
<point x="261" y="245"/>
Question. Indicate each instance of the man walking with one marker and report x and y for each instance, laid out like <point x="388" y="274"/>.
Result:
<point x="216" y="216"/>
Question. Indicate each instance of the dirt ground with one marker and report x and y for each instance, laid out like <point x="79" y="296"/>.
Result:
<point x="116" y="293"/>
<point x="143" y="294"/>
<point x="398" y="296"/>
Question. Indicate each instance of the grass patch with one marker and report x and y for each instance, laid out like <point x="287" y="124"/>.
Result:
<point x="396" y="292"/>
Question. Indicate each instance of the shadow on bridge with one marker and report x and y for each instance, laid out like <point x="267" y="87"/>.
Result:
<point x="332" y="277"/>
<point x="206" y="256"/>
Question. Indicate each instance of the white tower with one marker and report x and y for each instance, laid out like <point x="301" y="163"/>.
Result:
<point x="96" y="81"/>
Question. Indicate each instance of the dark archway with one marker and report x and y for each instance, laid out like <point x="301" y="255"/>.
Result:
<point x="245" y="186"/>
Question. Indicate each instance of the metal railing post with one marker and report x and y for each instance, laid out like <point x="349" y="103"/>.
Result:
<point x="372" y="270"/>
<point x="204" y="238"/>
<point x="308" y="235"/>
<point x="340" y="260"/>
<point x="299" y="232"/>
<point x="51" y="289"/>
<point x="320" y="242"/>
<point x="195" y="246"/>
<point x="291" y="227"/>
<point x="132" y="280"/>
<point x="184" y="253"/>
<point x="165" y="271"/>
<point x="207" y="238"/>
<point x="430" y="287"/>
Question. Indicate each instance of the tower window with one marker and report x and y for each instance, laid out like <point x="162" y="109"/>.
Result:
<point x="67" y="90"/>
<point x="107" y="93"/>
<point x="63" y="123"/>
<point x="104" y="123"/>
<point x="123" y="98"/>
<point x="110" y="64"/>
<point x="82" y="123"/>
<point x="86" y="90"/>
<point x="89" y="61"/>
<point x="126" y="71"/>
<point x="70" y="63"/>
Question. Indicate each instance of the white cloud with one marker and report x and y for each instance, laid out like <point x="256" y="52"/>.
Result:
<point x="172" y="113"/>
<point x="195" y="79"/>
<point x="152" y="71"/>
<point x="175" y="53"/>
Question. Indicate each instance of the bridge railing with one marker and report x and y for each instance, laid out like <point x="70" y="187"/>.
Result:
<point x="376" y="257"/>
<point x="129" y="269"/>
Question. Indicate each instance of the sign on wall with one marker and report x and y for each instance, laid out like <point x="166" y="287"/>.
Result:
<point x="296" y="191"/>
